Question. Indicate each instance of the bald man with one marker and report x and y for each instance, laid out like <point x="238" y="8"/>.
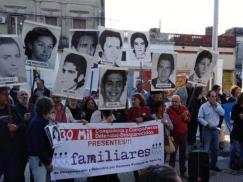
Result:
<point x="180" y="116"/>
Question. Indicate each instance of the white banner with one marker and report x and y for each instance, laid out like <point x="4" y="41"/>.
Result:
<point x="100" y="148"/>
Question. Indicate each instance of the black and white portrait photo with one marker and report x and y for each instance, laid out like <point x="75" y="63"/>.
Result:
<point x="139" y="49"/>
<point x="72" y="73"/>
<point x="56" y="137"/>
<point x="12" y="61"/>
<point x="164" y="71"/>
<point x="40" y="43"/>
<point x="203" y="67"/>
<point x="110" y="47"/>
<point x="84" y="41"/>
<point x="112" y="88"/>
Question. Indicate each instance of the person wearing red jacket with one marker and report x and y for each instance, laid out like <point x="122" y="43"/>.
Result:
<point x="139" y="112"/>
<point x="180" y="116"/>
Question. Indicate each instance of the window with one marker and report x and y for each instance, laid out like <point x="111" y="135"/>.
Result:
<point x="79" y="23"/>
<point x="51" y="20"/>
<point x="15" y="24"/>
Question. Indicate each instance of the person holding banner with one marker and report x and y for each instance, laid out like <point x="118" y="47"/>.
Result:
<point x="85" y="42"/>
<point x="12" y="140"/>
<point x="39" y="43"/>
<point x="110" y="44"/>
<point x="12" y="61"/>
<point x="139" y="112"/>
<point x="39" y="147"/>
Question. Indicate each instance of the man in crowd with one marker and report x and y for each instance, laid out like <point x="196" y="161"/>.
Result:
<point x="139" y="89"/>
<point x="41" y="90"/>
<point x="209" y="116"/>
<point x="180" y="117"/>
<point x="185" y="93"/>
<point x="24" y="113"/>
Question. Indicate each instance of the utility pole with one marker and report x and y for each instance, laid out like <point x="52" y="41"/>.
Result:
<point x="219" y="63"/>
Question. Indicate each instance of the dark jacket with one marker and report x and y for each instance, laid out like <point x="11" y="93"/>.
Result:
<point x="38" y="143"/>
<point x="11" y="143"/>
<point x="237" y="131"/>
<point x="34" y="97"/>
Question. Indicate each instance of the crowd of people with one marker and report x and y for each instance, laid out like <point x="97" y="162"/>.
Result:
<point x="23" y="118"/>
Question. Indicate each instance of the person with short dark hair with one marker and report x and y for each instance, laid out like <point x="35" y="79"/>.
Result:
<point x="185" y="93"/>
<point x="73" y="72"/>
<point x="202" y="65"/>
<point x="39" y="91"/>
<point x="85" y="42"/>
<point x="110" y="44"/>
<point x="40" y="150"/>
<point x="165" y="68"/>
<point x="39" y="43"/>
<point x="139" y="44"/>
<point x="12" y="62"/>
<point x="209" y="116"/>
<point x="113" y="84"/>
<point x="159" y="174"/>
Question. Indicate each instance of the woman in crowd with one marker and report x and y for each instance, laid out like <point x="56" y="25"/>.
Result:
<point x="59" y="115"/>
<point x="106" y="116"/>
<point x="139" y="112"/>
<point x="161" y="116"/>
<point x="236" y="136"/>
<point x="89" y="109"/>
<point x="235" y="92"/>
<point x="73" y="107"/>
<point x="40" y="150"/>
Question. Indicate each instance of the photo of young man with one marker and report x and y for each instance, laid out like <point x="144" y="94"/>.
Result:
<point x="12" y="61"/>
<point x="164" y="79"/>
<point x="113" y="88"/>
<point x="84" y="41"/>
<point x="111" y="43"/>
<point x="72" y="74"/>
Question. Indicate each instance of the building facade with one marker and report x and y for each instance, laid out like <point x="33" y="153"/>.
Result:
<point x="67" y="14"/>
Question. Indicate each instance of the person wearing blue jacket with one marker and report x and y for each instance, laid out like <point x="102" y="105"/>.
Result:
<point x="39" y="147"/>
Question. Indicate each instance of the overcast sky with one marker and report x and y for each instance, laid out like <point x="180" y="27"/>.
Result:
<point x="177" y="16"/>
